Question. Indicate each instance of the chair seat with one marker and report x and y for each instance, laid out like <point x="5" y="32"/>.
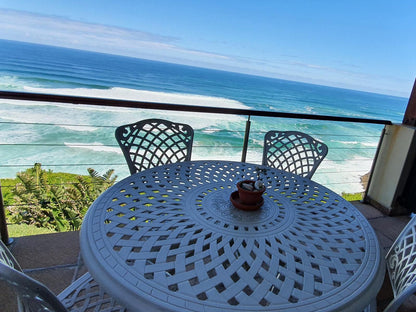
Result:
<point x="85" y="294"/>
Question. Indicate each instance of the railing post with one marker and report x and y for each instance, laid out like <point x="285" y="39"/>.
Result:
<point x="3" y="224"/>
<point x="246" y="136"/>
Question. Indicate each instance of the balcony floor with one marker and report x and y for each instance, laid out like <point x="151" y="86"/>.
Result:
<point x="53" y="258"/>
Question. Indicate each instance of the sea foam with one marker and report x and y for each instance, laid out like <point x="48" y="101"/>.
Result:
<point x="96" y="146"/>
<point x="129" y="115"/>
<point x="145" y="96"/>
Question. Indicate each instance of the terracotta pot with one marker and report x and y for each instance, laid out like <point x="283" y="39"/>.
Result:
<point x="249" y="197"/>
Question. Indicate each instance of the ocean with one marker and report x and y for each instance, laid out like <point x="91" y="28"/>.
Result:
<point x="71" y="138"/>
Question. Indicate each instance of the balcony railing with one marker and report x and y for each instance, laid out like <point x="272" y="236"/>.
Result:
<point x="241" y="142"/>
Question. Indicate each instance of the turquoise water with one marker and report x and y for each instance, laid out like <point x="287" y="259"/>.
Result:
<point x="72" y="128"/>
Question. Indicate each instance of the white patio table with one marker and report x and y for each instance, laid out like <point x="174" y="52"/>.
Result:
<point x="169" y="238"/>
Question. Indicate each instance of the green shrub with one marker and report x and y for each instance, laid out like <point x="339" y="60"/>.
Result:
<point x="43" y="199"/>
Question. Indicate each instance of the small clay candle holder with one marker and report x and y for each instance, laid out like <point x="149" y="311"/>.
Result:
<point x="248" y="194"/>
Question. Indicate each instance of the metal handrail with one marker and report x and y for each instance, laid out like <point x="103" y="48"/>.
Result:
<point x="26" y="96"/>
<point x="79" y="100"/>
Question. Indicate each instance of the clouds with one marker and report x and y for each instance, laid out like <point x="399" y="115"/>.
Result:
<point x="60" y="31"/>
<point x="244" y="53"/>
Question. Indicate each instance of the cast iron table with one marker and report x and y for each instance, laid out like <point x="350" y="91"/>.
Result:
<point x="169" y="238"/>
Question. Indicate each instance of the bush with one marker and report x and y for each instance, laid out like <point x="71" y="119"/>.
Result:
<point x="42" y="200"/>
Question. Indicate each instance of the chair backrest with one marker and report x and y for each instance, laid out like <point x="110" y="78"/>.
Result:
<point x="31" y="295"/>
<point x="293" y="151"/>
<point x="7" y="258"/>
<point x="154" y="142"/>
<point x="401" y="265"/>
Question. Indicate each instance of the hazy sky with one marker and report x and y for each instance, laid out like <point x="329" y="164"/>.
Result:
<point x="357" y="44"/>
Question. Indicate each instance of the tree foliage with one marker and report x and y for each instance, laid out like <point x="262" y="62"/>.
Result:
<point x="59" y="206"/>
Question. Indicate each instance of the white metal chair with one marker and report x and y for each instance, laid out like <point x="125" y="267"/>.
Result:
<point x="154" y="142"/>
<point x="401" y="266"/>
<point x="293" y="151"/>
<point x="82" y="295"/>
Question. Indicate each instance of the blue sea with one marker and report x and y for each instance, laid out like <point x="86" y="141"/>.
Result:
<point x="71" y="138"/>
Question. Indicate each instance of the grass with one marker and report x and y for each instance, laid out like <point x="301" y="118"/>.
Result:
<point x="18" y="230"/>
<point x="352" y="196"/>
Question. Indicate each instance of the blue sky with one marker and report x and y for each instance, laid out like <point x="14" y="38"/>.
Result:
<point x="356" y="44"/>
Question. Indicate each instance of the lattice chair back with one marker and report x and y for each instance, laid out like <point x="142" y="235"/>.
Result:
<point x="154" y="142"/>
<point x="32" y="296"/>
<point x="7" y="258"/>
<point x="401" y="266"/>
<point x="293" y="151"/>
<point x="82" y="295"/>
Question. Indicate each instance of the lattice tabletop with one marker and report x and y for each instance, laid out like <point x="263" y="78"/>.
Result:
<point x="170" y="237"/>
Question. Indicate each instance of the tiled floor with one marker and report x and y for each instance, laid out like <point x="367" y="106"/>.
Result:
<point x="53" y="258"/>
